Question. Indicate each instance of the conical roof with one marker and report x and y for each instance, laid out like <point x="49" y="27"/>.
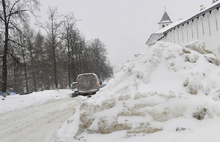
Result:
<point x="165" y="18"/>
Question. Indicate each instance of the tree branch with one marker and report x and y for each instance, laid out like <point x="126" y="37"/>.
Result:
<point x="15" y="58"/>
<point x="15" y="42"/>
<point x="17" y="29"/>
<point x="2" y="18"/>
<point x="16" y="12"/>
<point x="43" y="28"/>
<point x="14" y="5"/>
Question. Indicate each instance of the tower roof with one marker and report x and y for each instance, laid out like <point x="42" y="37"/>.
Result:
<point x="165" y="18"/>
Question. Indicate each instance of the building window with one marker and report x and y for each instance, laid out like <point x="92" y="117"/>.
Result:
<point x="163" y="26"/>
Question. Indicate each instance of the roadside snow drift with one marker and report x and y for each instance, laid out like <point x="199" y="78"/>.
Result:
<point x="167" y="82"/>
<point x="20" y="101"/>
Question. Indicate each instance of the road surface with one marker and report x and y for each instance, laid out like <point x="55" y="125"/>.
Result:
<point x="35" y="123"/>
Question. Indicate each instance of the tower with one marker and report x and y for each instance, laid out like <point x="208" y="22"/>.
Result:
<point x="165" y="21"/>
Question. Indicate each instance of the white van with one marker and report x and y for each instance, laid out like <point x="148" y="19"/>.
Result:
<point x="87" y="84"/>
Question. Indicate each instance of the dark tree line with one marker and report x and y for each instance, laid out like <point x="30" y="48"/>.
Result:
<point x="32" y="61"/>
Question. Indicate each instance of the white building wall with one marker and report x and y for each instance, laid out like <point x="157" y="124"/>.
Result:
<point x="212" y="21"/>
<point x="200" y="27"/>
<point x="190" y="32"/>
<point x="218" y="19"/>
<point x="197" y="27"/>
<point x="194" y="30"/>
<point x="174" y="40"/>
<point x="171" y="36"/>
<point x="174" y="36"/>
<point x="185" y="33"/>
<point x="206" y="27"/>
<point x="181" y="35"/>
<point x="178" y="34"/>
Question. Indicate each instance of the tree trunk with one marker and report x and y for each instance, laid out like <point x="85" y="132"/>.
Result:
<point x="33" y="71"/>
<point x="55" y="68"/>
<point x="4" y="70"/>
<point x="25" y="70"/>
<point x="26" y="78"/>
<point x="68" y="60"/>
<point x="69" y="67"/>
<point x="4" y="60"/>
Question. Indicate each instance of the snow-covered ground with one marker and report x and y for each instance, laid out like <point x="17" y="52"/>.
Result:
<point x="34" y="117"/>
<point x="169" y="93"/>
<point x="20" y="101"/>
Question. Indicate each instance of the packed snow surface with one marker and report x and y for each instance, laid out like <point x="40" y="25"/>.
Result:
<point x="169" y="93"/>
<point x="20" y="101"/>
<point x="35" y="117"/>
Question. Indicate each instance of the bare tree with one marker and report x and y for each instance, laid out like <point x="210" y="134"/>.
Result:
<point x="69" y="28"/>
<point x="12" y="11"/>
<point x="42" y="65"/>
<point x="54" y="34"/>
<point x="23" y="51"/>
<point x="30" y="47"/>
<point x="26" y="39"/>
<point x="99" y="61"/>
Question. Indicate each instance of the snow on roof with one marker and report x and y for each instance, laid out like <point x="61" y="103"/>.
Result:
<point x="170" y="26"/>
<point x="209" y="8"/>
<point x="159" y="34"/>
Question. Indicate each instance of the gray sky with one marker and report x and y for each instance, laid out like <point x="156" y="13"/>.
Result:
<point x="123" y="25"/>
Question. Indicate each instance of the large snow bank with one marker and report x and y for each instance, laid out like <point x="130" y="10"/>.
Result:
<point x="167" y="82"/>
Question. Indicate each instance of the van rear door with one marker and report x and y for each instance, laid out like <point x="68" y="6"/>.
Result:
<point x="87" y="82"/>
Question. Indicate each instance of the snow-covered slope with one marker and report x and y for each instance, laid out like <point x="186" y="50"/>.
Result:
<point x="168" y="88"/>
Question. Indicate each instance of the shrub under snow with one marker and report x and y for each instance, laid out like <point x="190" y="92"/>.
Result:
<point x="167" y="81"/>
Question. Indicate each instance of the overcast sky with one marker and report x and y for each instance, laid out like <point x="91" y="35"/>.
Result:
<point x="122" y="25"/>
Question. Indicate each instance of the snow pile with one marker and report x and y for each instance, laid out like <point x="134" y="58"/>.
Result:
<point x="166" y="82"/>
<point x="20" y="101"/>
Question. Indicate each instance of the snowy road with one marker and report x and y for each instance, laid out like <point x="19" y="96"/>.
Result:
<point x="35" y="123"/>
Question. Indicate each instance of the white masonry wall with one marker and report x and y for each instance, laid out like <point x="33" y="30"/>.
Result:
<point x="206" y="28"/>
